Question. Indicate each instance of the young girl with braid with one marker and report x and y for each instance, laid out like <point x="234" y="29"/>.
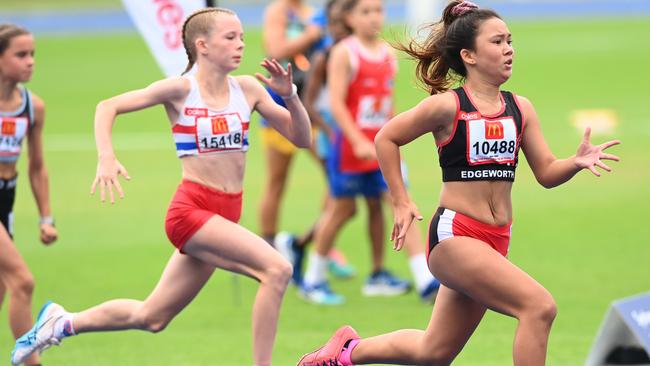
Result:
<point x="209" y="114"/>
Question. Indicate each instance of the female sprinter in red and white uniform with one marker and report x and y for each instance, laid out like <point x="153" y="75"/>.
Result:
<point x="21" y="115"/>
<point x="209" y="114"/>
<point x="479" y="130"/>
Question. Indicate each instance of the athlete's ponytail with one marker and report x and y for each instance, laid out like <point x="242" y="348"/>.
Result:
<point x="7" y="32"/>
<point x="439" y="64"/>
<point x="199" y="23"/>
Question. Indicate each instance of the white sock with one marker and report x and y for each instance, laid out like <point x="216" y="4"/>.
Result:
<point x="420" y="271"/>
<point x="64" y="326"/>
<point x="316" y="270"/>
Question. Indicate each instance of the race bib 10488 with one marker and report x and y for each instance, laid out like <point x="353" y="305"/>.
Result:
<point x="491" y="141"/>
<point x="220" y="132"/>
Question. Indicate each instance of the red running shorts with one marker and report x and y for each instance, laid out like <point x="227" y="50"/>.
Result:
<point x="447" y="224"/>
<point x="193" y="205"/>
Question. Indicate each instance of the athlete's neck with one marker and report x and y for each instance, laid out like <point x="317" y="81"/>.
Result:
<point x="7" y="90"/>
<point x="485" y="92"/>
<point x="212" y="82"/>
<point x="371" y="43"/>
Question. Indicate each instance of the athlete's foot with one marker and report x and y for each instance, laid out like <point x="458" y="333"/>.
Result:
<point x="41" y="336"/>
<point x="287" y="244"/>
<point x="330" y="353"/>
<point x="428" y="294"/>
<point x="338" y="265"/>
<point x="339" y="271"/>
<point x="321" y="294"/>
<point x="384" y="283"/>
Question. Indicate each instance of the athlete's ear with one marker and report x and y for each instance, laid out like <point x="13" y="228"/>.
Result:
<point x="201" y="46"/>
<point x="468" y="56"/>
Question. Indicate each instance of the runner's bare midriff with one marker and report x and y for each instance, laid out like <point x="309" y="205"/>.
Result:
<point x="485" y="201"/>
<point x="223" y="172"/>
<point x="7" y="170"/>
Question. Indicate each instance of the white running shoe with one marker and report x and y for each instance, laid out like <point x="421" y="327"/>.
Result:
<point x="286" y="244"/>
<point x="41" y="336"/>
<point x="282" y="242"/>
<point x="384" y="283"/>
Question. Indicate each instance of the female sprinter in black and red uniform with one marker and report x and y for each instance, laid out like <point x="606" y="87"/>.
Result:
<point x="479" y="130"/>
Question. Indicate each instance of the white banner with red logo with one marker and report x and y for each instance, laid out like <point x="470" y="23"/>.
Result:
<point x="160" y="23"/>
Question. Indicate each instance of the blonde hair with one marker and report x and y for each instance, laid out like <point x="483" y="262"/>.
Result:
<point x="7" y="32"/>
<point x="199" y="23"/>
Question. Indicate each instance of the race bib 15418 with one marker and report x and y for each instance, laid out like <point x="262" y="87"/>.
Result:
<point x="221" y="132"/>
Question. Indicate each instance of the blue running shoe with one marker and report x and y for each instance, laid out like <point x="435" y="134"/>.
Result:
<point x="321" y="294"/>
<point x="41" y="336"/>
<point x="383" y="283"/>
<point x="428" y="294"/>
<point x="287" y="244"/>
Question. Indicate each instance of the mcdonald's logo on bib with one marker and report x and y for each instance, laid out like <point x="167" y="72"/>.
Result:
<point x="493" y="130"/>
<point x="8" y="128"/>
<point x="220" y="126"/>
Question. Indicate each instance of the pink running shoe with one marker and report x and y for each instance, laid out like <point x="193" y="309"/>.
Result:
<point x="330" y="353"/>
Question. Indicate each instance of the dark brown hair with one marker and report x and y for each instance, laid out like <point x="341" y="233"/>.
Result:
<point x="199" y="23"/>
<point x="7" y="32"/>
<point x="346" y="7"/>
<point x="439" y="64"/>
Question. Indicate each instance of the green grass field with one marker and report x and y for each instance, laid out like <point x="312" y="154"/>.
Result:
<point x="586" y="241"/>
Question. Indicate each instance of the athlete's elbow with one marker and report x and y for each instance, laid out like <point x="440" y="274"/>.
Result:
<point x="274" y="52"/>
<point x="37" y="168"/>
<point x="303" y="142"/>
<point x="105" y="106"/>
<point x="381" y="138"/>
<point x="546" y="183"/>
<point x="101" y="106"/>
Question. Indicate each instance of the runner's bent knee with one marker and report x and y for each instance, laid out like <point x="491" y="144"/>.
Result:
<point x="152" y="321"/>
<point x="541" y="308"/>
<point x="430" y="358"/>
<point x="277" y="273"/>
<point x="21" y="282"/>
<point x="441" y="354"/>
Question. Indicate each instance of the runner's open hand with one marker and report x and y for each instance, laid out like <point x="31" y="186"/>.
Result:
<point x="364" y="150"/>
<point x="108" y="170"/>
<point x="589" y="156"/>
<point x="280" y="80"/>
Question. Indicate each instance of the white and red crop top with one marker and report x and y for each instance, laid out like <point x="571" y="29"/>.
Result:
<point x="203" y="130"/>
<point x="13" y="128"/>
